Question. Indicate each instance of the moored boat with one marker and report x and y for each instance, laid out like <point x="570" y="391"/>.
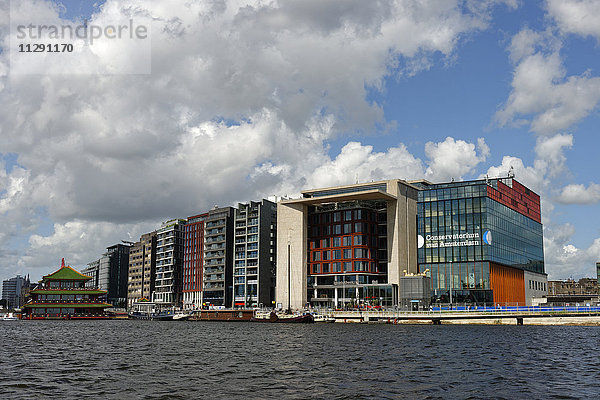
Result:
<point x="10" y="317"/>
<point x="321" y="318"/>
<point x="266" y="316"/>
<point x="181" y="316"/>
<point x="231" y="315"/>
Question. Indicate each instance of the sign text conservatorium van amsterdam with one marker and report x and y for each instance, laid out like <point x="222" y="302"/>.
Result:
<point x="455" y="240"/>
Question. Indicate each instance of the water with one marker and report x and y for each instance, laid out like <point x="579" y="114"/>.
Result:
<point x="213" y="360"/>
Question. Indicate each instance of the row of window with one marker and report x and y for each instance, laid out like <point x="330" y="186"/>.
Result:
<point x="338" y="216"/>
<point x="339" y="229"/>
<point x="473" y="190"/>
<point x="536" y="285"/>
<point x="68" y="310"/>
<point x="470" y="275"/>
<point x="65" y="284"/>
<point x="343" y="267"/>
<point x="339" y="241"/>
<point x="340" y="254"/>
<point x="62" y="297"/>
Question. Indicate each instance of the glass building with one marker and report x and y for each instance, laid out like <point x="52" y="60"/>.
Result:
<point x="480" y="240"/>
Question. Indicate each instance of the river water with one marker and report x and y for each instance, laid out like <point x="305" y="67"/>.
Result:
<point x="219" y="360"/>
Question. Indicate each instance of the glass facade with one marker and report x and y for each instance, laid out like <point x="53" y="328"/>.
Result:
<point x="462" y="230"/>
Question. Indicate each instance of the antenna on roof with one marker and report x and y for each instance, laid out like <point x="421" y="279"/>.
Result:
<point x="357" y="177"/>
<point x="511" y="172"/>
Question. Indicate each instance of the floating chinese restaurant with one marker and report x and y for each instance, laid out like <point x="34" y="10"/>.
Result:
<point x="63" y="295"/>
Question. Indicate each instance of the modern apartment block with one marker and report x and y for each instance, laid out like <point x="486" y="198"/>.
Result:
<point x="169" y="262"/>
<point x="214" y="241"/>
<point x="193" y="262"/>
<point x="114" y="268"/>
<point x="110" y="273"/>
<point x="92" y="271"/>
<point x="142" y="268"/>
<point x="218" y="257"/>
<point x="12" y="290"/>
<point x="254" y="255"/>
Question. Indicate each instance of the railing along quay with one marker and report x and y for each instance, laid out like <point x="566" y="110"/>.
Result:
<point x="439" y="314"/>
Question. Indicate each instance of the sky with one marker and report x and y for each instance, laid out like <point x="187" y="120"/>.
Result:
<point x="240" y="100"/>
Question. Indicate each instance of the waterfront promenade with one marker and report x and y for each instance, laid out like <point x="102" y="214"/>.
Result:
<point x="478" y="315"/>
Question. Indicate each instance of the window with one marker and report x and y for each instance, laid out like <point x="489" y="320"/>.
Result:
<point x="361" y="265"/>
<point x="315" y="268"/>
<point x="347" y="215"/>
<point x="347" y="266"/>
<point x="336" y="267"/>
<point x="347" y="254"/>
<point x="327" y="255"/>
<point x="337" y="229"/>
<point x="361" y="253"/>
<point x="347" y="241"/>
<point x="359" y="240"/>
<point x="347" y="228"/>
<point x="337" y="254"/>
<point x="336" y="242"/>
<point x="316" y="256"/>
<point x="337" y="216"/>
<point x="325" y="268"/>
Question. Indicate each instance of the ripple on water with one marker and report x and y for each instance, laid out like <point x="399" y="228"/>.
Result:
<point x="166" y="360"/>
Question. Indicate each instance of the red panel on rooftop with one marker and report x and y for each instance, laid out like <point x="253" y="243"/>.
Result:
<point x="518" y="198"/>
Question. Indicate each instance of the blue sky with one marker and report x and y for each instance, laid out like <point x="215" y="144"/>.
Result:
<point x="250" y="99"/>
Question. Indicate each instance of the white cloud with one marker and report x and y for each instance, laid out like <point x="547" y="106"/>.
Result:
<point x="550" y="157"/>
<point x="579" y="194"/>
<point x="358" y="161"/>
<point x="79" y="242"/>
<point x="542" y="95"/>
<point x="563" y="259"/>
<point x="453" y="158"/>
<point x="580" y="17"/>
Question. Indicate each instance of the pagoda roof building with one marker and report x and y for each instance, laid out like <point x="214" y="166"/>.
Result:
<point x="63" y="295"/>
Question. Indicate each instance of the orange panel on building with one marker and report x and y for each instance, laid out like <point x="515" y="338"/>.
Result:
<point x="508" y="285"/>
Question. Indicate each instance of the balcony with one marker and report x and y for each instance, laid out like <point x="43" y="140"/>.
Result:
<point x="214" y="239"/>
<point x="214" y="286"/>
<point x="214" y="254"/>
